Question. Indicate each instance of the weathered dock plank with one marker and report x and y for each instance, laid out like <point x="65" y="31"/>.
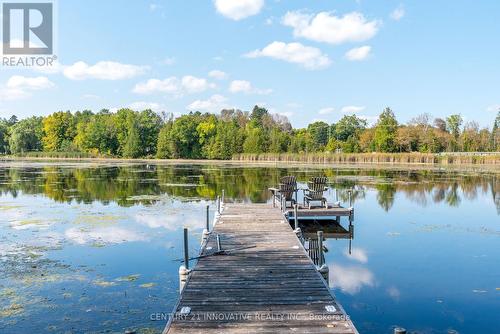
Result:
<point x="272" y="287"/>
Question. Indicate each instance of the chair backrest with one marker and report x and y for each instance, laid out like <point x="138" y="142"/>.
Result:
<point x="317" y="183"/>
<point x="287" y="190"/>
<point x="289" y="179"/>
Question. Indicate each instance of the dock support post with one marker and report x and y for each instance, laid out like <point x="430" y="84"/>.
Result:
<point x="184" y="269"/>
<point x="219" y="246"/>
<point x="208" y="218"/>
<point x="350" y="197"/>
<point x="186" y="249"/>
<point x="322" y="267"/>
<point x="218" y="204"/>
<point x="296" y="215"/>
<point x="206" y="230"/>
<point x="320" y="247"/>
<point x="223" y="196"/>
<point x="399" y="330"/>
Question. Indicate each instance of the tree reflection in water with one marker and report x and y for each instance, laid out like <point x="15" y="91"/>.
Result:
<point x="128" y="184"/>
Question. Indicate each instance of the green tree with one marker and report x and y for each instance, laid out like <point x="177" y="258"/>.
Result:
<point x="385" y="132"/>
<point x="26" y="135"/>
<point x="257" y="115"/>
<point x="207" y="130"/>
<point x="97" y="134"/>
<point x="132" y="148"/>
<point x="4" y="137"/>
<point x="318" y="132"/>
<point x="255" y="141"/>
<point x="495" y="134"/>
<point x="184" y="137"/>
<point x="149" y="124"/>
<point x="229" y="139"/>
<point x="59" y="131"/>
<point x="349" y="126"/>
<point x="164" y="141"/>
<point x="453" y="123"/>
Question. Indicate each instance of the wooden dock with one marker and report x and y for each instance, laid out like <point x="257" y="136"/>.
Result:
<point x="320" y="213"/>
<point x="267" y="284"/>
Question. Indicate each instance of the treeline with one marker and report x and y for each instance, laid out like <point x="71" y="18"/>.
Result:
<point x="133" y="134"/>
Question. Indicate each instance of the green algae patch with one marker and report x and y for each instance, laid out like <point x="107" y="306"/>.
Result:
<point x="104" y="284"/>
<point x="129" y="278"/>
<point x="12" y="310"/>
<point x="98" y="219"/>
<point x="7" y="293"/>
<point x="9" y="207"/>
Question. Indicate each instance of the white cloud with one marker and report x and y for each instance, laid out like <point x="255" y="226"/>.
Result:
<point x="34" y="83"/>
<point x="219" y="75"/>
<point x="103" y="70"/>
<point x="358" y="54"/>
<point x="398" y="13"/>
<point x="493" y="108"/>
<point x="213" y="104"/>
<point x="168" y="85"/>
<point x="107" y="235"/>
<point x="195" y="85"/>
<point x="352" y="109"/>
<point x="309" y="57"/>
<point x="350" y="279"/>
<point x="238" y="9"/>
<point x="170" y="222"/>
<point x="326" y="27"/>
<point x="173" y="85"/>
<point x="239" y="86"/>
<point x="19" y="87"/>
<point x="357" y="254"/>
<point x="243" y="86"/>
<point x="168" y="61"/>
<point x="326" y="111"/>
<point x="143" y="105"/>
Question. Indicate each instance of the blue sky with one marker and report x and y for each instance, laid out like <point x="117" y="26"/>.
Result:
<point x="308" y="60"/>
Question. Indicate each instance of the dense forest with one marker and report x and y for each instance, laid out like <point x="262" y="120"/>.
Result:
<point x="132" y="134"/>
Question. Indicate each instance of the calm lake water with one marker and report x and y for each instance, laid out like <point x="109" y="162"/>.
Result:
<point x="91" y="248"/>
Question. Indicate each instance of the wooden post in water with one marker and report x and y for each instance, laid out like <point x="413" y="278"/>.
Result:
<point x="296" y="215"/>
<point x="350" y="198"/>
<point x="322" y="267"/>
<point x="184" y="269"/>
<point x="208" y="218"/>
<point x="186" y="249"/>
<point x="320" y="247"/>
<point x="206" y="231"/>
<point x="218" y="204"/>
<point x="223" y="197"/>
<point x="219" y="246"/>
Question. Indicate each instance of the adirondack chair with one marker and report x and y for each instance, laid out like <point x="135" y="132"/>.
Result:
<point x="314" y="192"/>
<point x="286" y="190"/>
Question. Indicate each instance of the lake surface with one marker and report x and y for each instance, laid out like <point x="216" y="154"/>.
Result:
<point x="92" y="248"/>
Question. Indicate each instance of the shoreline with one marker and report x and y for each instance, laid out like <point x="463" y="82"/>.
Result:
<point x="477" y="167"/>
